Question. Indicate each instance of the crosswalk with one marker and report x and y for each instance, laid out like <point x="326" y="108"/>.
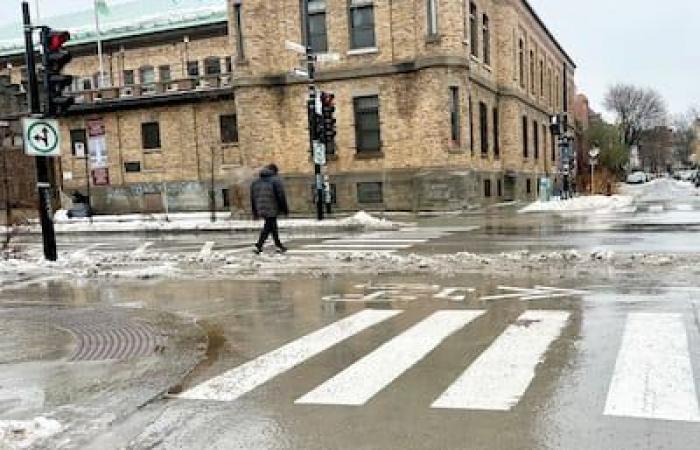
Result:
<point x="382" y="242"/>
<point x="652" y="378"/>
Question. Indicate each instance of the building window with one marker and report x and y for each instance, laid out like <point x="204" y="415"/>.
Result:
<point x="541" y="78"/>
<point x="228" y="126"/>
<point x="487" y="188"/>
<point x="147" y="75"/>
<point x="471" y="125"/>
<point x="129" y="78"/>
<point x="212" y="65"/>
<point x="473" y="30"/>
<point x="499" y="188"/>
<point x="554" y="149"/>
<point x="432" y="18"/>
<point x="496" y="138"/>
<point x="367" y="128"/>
<point x="193" y="69"/>
<point x="228" y="63"/>
<point x="132" y="167"/>
<point x="521" y="62"/>
<point x="225" y="198"/>
<point x="370" y="193"/>
<point x="454" y="115"/>
<point x="87" y="84"/>
<point x="484" y="128"/>
<point x="486" y="33"/>
<point x="362" y="24"/>
<point x="525" y="137"/>
<point x="544" y="142"/>
<point x="238" y="19"/>
<point x="78" y="143"/>
<point x="532" y="72"/>
<point x="536" y="138"/>
<point x="317" y="26"/>
<point x="528" y="186"/>
<point x="164" y="73"/>
<point x="557" y="93"/>
<point x="150" y="135"/>
<point x="549" y="87"/>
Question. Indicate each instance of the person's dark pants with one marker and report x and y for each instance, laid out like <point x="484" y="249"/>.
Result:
<point x="270" y="227"/>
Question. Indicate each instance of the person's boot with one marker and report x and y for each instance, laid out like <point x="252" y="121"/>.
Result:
<point x="257" y="250"/>
<point x="281" y="249"/>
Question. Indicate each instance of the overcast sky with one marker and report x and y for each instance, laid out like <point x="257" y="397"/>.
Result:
<point x="644" y="42"/>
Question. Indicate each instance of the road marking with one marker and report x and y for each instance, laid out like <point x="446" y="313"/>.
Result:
<point x="537" y="293"/>
<point x="501" y="375"/>
<point x="656" y="208"/>
<point x="142" y="249"/>
<point x="243" y="379"/>
<point x="449" y="294"/>
<point x="363" y="380"/>
<point x="349" y="252"/>
<point x="205" y="252"/>
<point x="353" y="246"/>
<point x="85" y="250"/>
<point x="375" y="241"/>
<point x="653" y="376"/>
<point x="684" y="207"/>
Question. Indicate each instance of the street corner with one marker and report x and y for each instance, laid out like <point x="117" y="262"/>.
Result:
<point x="69" y="373"/>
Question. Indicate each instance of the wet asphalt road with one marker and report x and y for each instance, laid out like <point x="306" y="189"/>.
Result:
<point x="562" y="407"/>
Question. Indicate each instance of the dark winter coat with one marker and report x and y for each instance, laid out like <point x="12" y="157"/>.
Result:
<point x="267" y="196"/>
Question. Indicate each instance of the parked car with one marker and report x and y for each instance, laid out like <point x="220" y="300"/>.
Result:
<point x="637" y="177"/>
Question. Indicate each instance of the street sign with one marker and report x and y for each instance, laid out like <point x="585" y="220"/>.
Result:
<point x="100" y="176"/>
<point x="319" y="153"/>
<point x="41" y="137"/>
<point x="293" y="46"/>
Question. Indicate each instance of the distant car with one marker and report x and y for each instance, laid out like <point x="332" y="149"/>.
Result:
<point x="638" y="177"/>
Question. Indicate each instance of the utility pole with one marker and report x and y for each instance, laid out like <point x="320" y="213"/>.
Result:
<point x="42" y="163"/>
<point x="6" y="183"/>
<point x="311" y="70"/>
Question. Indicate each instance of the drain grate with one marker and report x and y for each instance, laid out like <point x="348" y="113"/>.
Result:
<point x="124" y="341"/>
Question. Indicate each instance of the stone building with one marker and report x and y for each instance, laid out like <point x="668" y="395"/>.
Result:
<point x="441" y="104"/>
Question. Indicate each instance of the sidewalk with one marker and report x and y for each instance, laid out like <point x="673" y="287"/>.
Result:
<point x="200" y="222"/>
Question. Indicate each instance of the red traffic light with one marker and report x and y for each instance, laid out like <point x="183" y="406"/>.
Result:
<point x="328" y="99"/>
<point x="57" y="39"/>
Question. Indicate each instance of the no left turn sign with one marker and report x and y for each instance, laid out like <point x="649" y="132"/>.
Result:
<point x="41" y="137"/>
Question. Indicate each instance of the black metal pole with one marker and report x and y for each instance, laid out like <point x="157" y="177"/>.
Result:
<point x="87" y="182"/>
<point x="311" y="69"/>
<point x="42" y="165"/>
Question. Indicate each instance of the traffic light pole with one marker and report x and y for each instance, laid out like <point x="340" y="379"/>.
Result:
<point x="42" y="164"/>
<point x="311" y="69"/>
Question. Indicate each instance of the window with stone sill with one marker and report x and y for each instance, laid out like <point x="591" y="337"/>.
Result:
<point x="487" y="188"/>
<point x="317" y="25"/>
<point x="496" y="137"/>
<point x="212" y="65"/>
<point x="454" y="116"/>
<point x="536" y="139"/>
<point x="164" y="73"/>
<point x="521" y="63"/>
<point x="484" y="129"/>
<point x="129" y="79"/>
<point x="147" y="75"/>
<point x="362" y="34"/>
<point x="473" y="30"/>
<point x="367" y="125"/>
<point x="524" y="137"/>
<point x="486" y="39"/>
<point x="228" y="126"/>
<point x="193" y="69"/>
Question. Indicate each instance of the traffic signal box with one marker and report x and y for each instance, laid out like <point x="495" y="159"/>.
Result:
<point x="328" y="120"/>
<point x="55" y="58"/>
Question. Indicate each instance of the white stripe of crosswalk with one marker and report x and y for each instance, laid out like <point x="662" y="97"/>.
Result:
<point x="653" y="376"/>
<point x="339" y="250"/>
<point x="376" y="241"/>
<point x="243" y="379"/>
<point x="684" y="207"/>
<point x="360" y="382"/>
<point x="501" y="375"/>
<point x="359" y="246"/>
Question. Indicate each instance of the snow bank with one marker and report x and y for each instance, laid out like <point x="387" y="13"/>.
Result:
<point x="661" y="189"/>
<point x="181" y="222"/>
<point x="16" y="434"/>
<point x="595" y="203"/>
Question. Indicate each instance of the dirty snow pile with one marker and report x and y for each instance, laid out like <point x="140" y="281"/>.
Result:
<point x="368" y="221"/>
<point x="594" y="203"/>
<point x="16" y="434"/>
<point x="661" y="189"/>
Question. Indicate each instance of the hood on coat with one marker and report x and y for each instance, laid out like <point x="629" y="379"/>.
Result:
<point x="266" y="173"/>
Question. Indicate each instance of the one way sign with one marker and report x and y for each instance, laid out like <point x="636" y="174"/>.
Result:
<point x="41" y="137"/>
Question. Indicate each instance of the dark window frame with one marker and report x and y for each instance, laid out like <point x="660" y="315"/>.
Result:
<point x="128" y="77"/>
<point x="228" y="132"/>
<point x="524" y="130"/>
<point x="360" y="112"/>
<point x="536" y="139"/>
<point x="240" y="38"/>
<point x="486" y="39"/>
<point x="496" y="132"/>
<point x="473" y="30"/>
<point x="147" y="69"/>
<point x="521" y="62"/>
<point x="375" y="198"/>
<point x="488" y="192"/>
<point x="212" y="66"/>
<point x="357" y="42"/>
<point x="532" y="72"/>
<point x="499" y="188"/>
<point x="78" y="135"/>
<point x="471" y="125"/>
<point x="528" y="186"/>
<point x="484" y="129"/>
<point x="164" y="73"/>
<point x="455" y="117"/>
<point x="150" y="141"/>
<point x="193" y="65"/>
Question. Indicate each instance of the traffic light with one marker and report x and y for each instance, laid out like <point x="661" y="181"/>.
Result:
<point x="329" y="122"/>
<point x="55" y="59"/>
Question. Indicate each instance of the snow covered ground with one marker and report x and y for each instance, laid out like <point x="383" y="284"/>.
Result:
<point x="16" y="434"/>
<point x="195" y="222"/>
<point x="661" y="189"/>
<point x="594" y="203"/>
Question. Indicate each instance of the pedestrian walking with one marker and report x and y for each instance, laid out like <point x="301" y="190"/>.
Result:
<point x="268" y="201"/>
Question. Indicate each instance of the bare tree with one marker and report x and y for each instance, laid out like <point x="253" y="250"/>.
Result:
<point x="637" y="109"/>
<point x="685" y="134"/>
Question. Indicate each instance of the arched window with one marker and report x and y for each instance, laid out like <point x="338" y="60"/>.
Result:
<point x="486" y="41"/>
